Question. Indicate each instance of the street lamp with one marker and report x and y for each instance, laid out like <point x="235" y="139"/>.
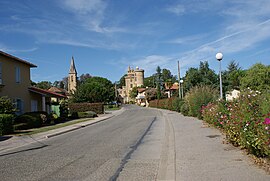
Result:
<point x="219" y="57"/>
<point x="182" y="91"/>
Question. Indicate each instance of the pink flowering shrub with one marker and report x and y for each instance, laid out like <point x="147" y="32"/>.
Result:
<point x="246" y="121"/>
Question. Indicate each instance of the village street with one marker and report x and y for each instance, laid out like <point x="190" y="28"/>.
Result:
<point x="138" y="144"/>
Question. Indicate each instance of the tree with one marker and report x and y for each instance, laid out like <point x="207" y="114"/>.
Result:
<point x="94" y="89"/>
<point x="166" y="75"/>
<point x="149" y="81"/>
<point x="231" y="77"/>
<point x="200" y="76"/>
<point x="133" y="92"/>
<point x="121" y="82"/>
<point x="83" y="77"/>
<point x="44" y="85"/>
<point x="256" y="78"/>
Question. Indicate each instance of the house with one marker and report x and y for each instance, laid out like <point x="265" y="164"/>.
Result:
<point x="172" y="89"/>
<point x="15" y="83"/>
<point x="140" y="98"/>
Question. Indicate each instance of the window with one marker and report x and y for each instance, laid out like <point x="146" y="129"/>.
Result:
<point x="1" y="80"/>
<point x="131" y="85"/>
<point x="18" y="75"/>
<point x="34" y="105"/>
<point x="72" y="78"/>
<point x="19" y="106"/>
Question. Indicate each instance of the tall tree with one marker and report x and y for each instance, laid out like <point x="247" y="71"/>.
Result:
<point x="256" y="78"/>
<point x="121" y="82"/>
<point x="83" y="77"/>
<point x="94" y="89"/>
<point x="231" y="77"/>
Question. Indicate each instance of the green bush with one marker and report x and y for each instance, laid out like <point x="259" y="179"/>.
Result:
<point x="6" y="124"/>
<point x="177" y="104"/>
<point x="184" y="109"/>
<point x="31" y="120"/>
<point x="200" y="96"/>
<point x="6" y="106"/>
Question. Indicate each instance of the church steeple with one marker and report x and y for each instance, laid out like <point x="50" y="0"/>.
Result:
<point x="72" y="66"/>
<point x="72" y="77"/>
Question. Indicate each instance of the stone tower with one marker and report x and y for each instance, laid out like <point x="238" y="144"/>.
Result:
<point x="72" y="77"/>
<point x="134" y="78"/>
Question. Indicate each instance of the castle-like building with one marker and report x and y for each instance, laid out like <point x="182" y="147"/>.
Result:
<point x="72" y="77"/>
<point x="134" y="78"/>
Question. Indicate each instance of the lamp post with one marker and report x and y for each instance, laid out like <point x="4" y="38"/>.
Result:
<point x="219" y="57"/>
<point x="182" y="91"/>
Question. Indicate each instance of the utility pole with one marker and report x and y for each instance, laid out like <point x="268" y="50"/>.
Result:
<point x="179" y="81"/>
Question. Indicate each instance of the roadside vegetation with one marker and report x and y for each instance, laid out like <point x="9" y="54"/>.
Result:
<point x="245" y="120"/>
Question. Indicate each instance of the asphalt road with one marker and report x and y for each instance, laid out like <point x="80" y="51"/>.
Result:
<point x="141" y="144"/>
<point x="124" y="147"/>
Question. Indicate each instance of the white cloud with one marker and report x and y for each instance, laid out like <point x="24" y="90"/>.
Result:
<point x="177" y="9"/>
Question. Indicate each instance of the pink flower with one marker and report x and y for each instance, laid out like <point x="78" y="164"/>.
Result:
<point x="266" y="121"/>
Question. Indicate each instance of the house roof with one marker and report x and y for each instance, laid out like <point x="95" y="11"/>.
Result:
<point x="16" y="58"/>
<point x="57" y="90"/>
<point x="173" y="87"/>
<point x="140" y="90"/>
<point x="46" y="92"/>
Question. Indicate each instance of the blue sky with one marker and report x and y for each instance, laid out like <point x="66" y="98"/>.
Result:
<point x="106" y="36"/>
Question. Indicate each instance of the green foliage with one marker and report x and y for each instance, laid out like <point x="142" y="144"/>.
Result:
<point x="6" y="124"/>
<point x="6" y="106"/>
<point x="185" y="109"/>
<point x="84" y="107"/>
<point x="177" y="104"/>
<point x="200" y="96"/>
<point x="44" y="85"/>
<point x="121" y="82"/>
<point x="246" y="121"/>
<point x="31" y="120"/>
<point x="93" y="90"/>
<point x="149" y="81"/>
<point x="133" y="92"/>
<point x="88" y="114"/>
<point x="257" y="78"/>
<point x="63" y="109"/>
<point x="202" y="76"/>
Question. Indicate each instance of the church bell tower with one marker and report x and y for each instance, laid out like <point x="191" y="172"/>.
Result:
<point x="72" y="77"/>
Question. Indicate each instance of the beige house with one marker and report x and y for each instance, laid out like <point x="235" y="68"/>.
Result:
<point x="134" y="78"/>
<point x="15" y="83"/>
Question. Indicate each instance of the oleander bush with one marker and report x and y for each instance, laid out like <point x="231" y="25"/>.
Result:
<point x="245" y="121"/>
<point x="6" y="124"/>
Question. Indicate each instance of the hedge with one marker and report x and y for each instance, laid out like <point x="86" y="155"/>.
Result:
<point x="6" y="124"/>
<point x="31" y="120"/>
<point x="84" y="107"/>
<point x="162" y="103"/>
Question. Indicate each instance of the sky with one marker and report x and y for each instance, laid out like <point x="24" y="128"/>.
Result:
<point x="107" y="36"/>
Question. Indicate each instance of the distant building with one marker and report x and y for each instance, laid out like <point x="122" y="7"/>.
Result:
<point x="72" y="77"/>
<point x="171" y="90"/>
<point x="134" y="78"/>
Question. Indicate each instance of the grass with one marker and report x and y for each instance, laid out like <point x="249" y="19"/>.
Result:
<point x="113" y="108"/>
<point x="48" y="128"/>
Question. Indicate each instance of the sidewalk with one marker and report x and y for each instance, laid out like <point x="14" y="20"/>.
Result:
<point x="19" y="141"/>
<point x="202" y="154"/>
